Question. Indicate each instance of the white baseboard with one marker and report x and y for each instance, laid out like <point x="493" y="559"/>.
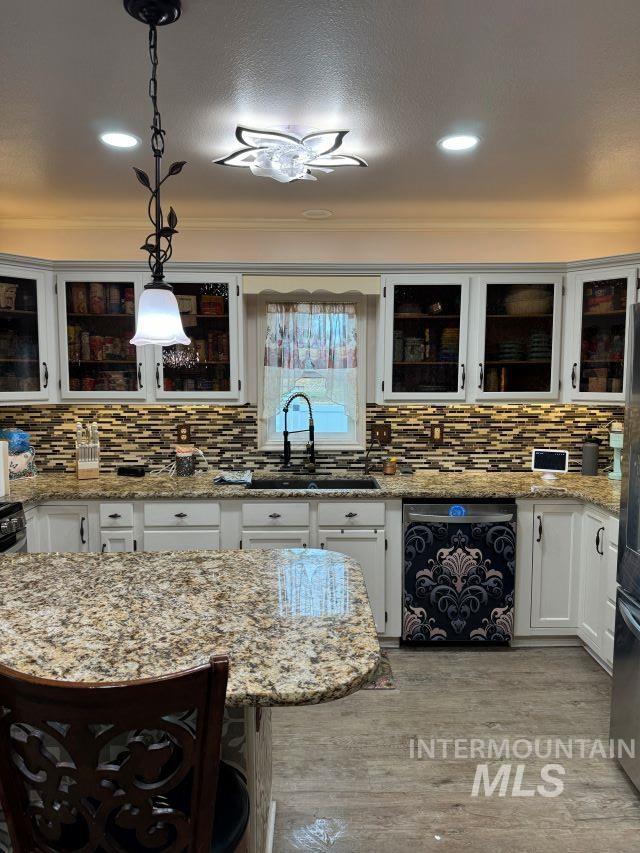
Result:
<point x="271" y="828"/>
<point x="541" y="642"/>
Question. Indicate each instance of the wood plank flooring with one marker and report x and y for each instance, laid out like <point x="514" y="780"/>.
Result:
<point x="349" y="762"/>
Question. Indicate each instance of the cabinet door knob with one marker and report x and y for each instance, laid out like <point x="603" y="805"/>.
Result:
<point x="180" y="515"/>
<point x="274" y="515"/>
<point x="115" y="515"/>
<point x="350" y="514"/>
<point x="539" y="539"/>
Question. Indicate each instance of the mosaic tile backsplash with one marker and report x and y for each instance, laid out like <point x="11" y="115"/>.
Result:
<point x="493" y="438"/>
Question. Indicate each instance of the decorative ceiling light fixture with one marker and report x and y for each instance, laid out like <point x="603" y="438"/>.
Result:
<point x="159" y="321"/>
<point x="287" y="156"/>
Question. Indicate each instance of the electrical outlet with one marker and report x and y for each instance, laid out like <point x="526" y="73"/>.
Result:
<point x="437" y="433"/>
<point x="381" y="433"/>
<point x="183" y="433"/>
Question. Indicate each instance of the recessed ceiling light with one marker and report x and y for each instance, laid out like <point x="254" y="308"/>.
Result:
<point x="317" y="213"/>
<point x="458" y="142"/>
<point x="119" y="140"/>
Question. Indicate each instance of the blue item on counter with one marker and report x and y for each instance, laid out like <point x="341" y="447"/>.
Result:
<point x="18" y="440"/>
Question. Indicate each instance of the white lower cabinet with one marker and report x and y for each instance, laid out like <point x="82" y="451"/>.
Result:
<point x="367" y="547"/>
<point x="554" y="574"/>
<point x="592" y="581"/>
<point x="64" y="528"/>
<point x="252" y="539"/>
<point x="117" y="541"/>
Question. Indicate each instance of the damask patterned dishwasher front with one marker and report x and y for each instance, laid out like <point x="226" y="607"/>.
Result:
<point x="459" y="572"/>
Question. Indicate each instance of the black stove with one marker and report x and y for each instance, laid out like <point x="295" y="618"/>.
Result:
<point x="13" y="527"/>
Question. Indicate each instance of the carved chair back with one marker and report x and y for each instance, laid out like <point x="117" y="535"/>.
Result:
<point x="112" y="768"/>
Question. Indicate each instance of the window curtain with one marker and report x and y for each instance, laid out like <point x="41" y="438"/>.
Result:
<point x="311" y="344"/>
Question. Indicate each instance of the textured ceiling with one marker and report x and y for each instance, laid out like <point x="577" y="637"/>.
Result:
<point x="551" y="86"/>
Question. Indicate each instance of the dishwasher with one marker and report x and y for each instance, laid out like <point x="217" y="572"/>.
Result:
<point x="459" y="572"/>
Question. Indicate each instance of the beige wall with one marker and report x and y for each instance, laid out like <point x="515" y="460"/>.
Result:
<point x="326" y="244"/>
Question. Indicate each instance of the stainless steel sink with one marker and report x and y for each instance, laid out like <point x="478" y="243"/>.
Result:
<point x="314" y="483"/>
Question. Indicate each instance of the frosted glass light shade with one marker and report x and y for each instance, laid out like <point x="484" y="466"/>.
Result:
<point x="159" y="322"/>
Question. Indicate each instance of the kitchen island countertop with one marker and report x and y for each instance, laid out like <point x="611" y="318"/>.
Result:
<point x="436" y="485"/>
<point x="296" y="623"/>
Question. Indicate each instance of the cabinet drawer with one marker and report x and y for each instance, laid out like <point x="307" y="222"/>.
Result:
<point x="116" y="515"/>
<point x="351" y="514"/>
<point x="252" y="539"/>
<point x="181" y="540"/>
<point x="182" y="514"/>
<point x="275" y="514"/>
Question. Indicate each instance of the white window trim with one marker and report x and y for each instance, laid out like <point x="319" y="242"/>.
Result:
<point x="271" y="444"/>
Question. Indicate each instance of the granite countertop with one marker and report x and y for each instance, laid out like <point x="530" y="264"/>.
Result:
<point x="600" y="491"/>
<point x="296" y="623"/>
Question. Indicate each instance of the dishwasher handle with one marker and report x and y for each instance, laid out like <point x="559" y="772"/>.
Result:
<point x="461" y="519"/>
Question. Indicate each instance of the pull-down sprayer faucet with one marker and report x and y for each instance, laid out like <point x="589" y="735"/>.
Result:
<point x="311" y="447"/>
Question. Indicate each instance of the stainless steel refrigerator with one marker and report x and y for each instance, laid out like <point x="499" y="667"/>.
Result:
<point x="625" y="703"/>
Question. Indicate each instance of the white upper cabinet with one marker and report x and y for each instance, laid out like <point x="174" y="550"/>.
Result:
<point x="209" y="368"/>
<point x="96" y="319"/>
<point x="25" y="361"/>
<point x="425" y="337"/>
<point x="518" y="334"/>
<point x="602" y="300"/>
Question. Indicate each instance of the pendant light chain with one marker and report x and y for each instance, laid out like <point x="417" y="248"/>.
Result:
<point x="157" y="134"/>
<point x="156" y="262"/>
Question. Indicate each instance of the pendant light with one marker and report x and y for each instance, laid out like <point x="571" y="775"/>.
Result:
<point x="159" y="322"/>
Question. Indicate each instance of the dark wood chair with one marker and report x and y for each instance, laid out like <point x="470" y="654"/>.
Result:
<point x="119" y="768"/>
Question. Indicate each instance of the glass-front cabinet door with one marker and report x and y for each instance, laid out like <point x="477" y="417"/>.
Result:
<point x="24" y="366"/>
<point x="519" y="337"/>
<point x="603" y="300"/>
<point x="208" y="368"/>
<point x="96" y="314"/>
<point x="425" y="337"/>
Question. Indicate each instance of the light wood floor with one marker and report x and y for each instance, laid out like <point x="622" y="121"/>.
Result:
<point x="349" y="760"/>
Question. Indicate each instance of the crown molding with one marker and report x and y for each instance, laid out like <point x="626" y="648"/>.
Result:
<point x="327" y="225"/>
<point x="322" y="267"/>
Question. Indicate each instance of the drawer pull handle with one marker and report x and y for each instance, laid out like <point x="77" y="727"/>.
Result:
<point x="539" y="539"/>
<point x="181" y="515"/>
<point x="600" y="541"/>
<point x="104" y="547"/>
<point x="574" y="370"/>
<point x="82" y="539"/>
<point x="350" y="514"/>
<point x="115" y="515"/>
<point x="274" y="515"/>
